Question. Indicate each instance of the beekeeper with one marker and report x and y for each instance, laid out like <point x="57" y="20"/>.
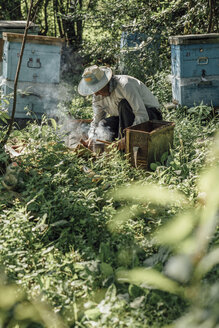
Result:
<point x="119" y="101"/>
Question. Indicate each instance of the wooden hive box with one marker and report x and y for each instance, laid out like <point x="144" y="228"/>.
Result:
<point x="36" y="99"/>
<point x="41" y="58"/>
<point x="195" y="69"/>
<point x="38" y="86"/>
<point x="148" y="141"/>
<point x="14" y="27"/>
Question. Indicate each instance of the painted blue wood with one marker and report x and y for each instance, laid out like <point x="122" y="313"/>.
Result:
<point x="132" y="40"/>
<point x="40" y="63"/>
<point x="39" y="76"/>
<point x="14" y="27"/>
<point x="32" y="100"/>
<point x="191" y="60"/>
<point x="195" y="69"/>
<point x="190" y="92"/>
<point x="129" y="39"/>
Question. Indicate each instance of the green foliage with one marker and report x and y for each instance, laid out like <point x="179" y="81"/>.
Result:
<point x="189" y="236"/>
<point x="56" y="243"/>
<point x="156" y="20"/>
<point x="80" y="108"/>
<point x="10" y="10"/>
<point x="4" y="116"/>
<point x="17" y="311"/>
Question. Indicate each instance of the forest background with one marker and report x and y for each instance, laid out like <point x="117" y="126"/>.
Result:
<point x="76" y="250"/>
<point x="93" y="27"/>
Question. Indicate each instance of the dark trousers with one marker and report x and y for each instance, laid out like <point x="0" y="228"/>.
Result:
<point x="126" y="118"/>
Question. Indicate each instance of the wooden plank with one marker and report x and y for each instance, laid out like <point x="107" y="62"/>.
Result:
<point x="40" y="39"/>
<point x="194" y="39"/>
<point x="15" y="24"/>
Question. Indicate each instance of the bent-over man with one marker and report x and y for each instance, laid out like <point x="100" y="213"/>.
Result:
<point x="126" y="100"/>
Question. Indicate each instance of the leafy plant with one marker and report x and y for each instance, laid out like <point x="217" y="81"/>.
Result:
<point x="17" y="311"/>
<point x="56" y="244"/>
<point x="189" y="236"/>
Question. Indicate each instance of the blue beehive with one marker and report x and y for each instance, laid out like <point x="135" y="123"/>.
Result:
<point x="129" y="39"/>
<point x="15" y="27"/>
<point x="133" y="45"/>
<point x="195" y="69"/>
<point x="33" y="100"/>
<point x="39" y="74"/>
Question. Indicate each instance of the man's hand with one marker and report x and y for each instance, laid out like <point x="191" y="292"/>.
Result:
<point x="87" y="143"/>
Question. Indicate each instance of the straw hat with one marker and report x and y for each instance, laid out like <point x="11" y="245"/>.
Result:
<point x="94" y="79"/>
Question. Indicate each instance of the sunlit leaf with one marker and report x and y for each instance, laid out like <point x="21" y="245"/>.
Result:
<point x="9" y="295"/>
<point x="26" y="311"/>
<point x="54" y="124"/>
<point x="177" y="229"/>
<point x="150" y="193"/>
<point x="93" y="314"/>
<point x="59" y="223"/>
<point x="149" y="277"/>
<point x="207" y="263"/>
<point x="210" y="188"/>
<point x="122" y="216"/>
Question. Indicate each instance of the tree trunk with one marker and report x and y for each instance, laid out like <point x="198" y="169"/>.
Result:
<point x="59" y="21"/>
<point x="211" y="6"/>
<point x="45" y="17"/>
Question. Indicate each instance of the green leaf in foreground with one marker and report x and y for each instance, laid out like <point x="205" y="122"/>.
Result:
<point x="207" y="263"/>
<point x="177" y="229"/>
<point x="149" y="277"/>
<point x="54" y="124"/>
<point x="151" y="193"/>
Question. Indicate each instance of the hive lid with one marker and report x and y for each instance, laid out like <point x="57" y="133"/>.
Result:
<point x="40" y="39"/>
<point x="6" y="24"/>
<point x="194" y="39"/>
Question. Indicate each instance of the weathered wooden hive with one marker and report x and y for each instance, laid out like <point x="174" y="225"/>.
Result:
<point x="148" y="141"/>
<point x="14" y="27"/>
<point x="195" y="69"/>
<point x="39" y="74"/>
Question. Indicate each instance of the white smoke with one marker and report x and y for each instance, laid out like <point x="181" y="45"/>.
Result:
<point x="101" y="132"/>
<point x="72" y="131"/>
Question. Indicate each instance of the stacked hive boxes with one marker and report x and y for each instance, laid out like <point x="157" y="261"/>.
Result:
<point x="39" y="74"/>
<point x="195" y="69"/>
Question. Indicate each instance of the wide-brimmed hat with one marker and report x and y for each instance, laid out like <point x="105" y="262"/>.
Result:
<point x="94" y="79"/>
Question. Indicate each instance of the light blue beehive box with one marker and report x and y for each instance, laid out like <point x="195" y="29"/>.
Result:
<point x="15" y="27"/>
<point x="33" y="100"/>
<point x="39" y="74"/>
<point x="130" y="45"/>
<point x="195" y="69"/>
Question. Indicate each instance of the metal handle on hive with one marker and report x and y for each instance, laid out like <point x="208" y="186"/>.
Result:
<point x="31" y="65"/>
<point x="202" y="61"/>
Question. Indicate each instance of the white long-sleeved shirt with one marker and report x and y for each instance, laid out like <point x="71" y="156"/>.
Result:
<point x="134" y="91"/>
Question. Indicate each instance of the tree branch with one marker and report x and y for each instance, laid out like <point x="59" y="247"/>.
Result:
<point x="5" y="139"/>
<point x="211" y="6"/>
